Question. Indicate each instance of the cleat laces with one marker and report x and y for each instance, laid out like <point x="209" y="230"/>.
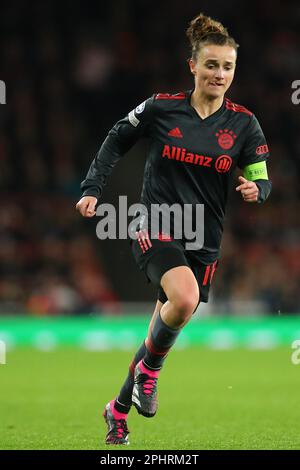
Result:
<point x="149" y="384"/>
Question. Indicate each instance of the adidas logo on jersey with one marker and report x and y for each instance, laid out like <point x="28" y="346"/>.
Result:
<point x="175" y="133"/>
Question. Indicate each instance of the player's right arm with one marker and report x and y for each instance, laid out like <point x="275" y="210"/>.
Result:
<point x="120" y="139"/>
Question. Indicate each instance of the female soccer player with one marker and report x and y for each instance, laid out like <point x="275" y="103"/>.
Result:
<point x="197" y="138"/>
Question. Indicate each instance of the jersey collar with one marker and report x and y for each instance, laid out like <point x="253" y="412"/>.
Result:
<point x="209" y="119"/>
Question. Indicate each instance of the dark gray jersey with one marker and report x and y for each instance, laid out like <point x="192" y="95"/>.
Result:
<point x="191" y="160"/>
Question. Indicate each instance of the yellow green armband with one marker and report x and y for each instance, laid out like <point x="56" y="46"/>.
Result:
<point x="256" y="171"/>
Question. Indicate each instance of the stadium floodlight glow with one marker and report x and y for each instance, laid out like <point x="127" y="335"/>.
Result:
<point x="185" y="223"/>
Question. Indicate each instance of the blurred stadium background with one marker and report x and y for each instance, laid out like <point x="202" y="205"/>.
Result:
<point x="72" y="69"/>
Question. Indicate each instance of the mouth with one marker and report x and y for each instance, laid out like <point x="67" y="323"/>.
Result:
<point x="216" y="85"/>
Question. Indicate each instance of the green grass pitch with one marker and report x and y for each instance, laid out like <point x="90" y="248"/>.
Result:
<point x="236" y="399"/>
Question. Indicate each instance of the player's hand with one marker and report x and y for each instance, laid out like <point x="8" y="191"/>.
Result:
<point x="248" y="190"/>
<point x="86" y="206"/>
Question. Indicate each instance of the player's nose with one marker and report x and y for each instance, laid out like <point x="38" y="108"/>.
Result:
<point x="220" y="74"/>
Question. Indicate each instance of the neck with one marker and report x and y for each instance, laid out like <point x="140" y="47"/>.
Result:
<point x="205" y="105"/>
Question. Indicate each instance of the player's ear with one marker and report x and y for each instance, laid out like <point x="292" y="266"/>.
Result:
<point x="192" y="66"/>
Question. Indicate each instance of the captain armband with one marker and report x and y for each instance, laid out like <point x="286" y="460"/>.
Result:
<point x="256" y="171"/>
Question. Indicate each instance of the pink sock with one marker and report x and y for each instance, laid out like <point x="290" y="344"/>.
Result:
<point x="116" y="413"/>
<point x="145" y="370"/>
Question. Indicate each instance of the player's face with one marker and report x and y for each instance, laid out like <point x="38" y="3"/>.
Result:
<point x="214" y="70"/>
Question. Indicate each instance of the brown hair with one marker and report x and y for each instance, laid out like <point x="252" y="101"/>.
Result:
<point x="205" y="30"/>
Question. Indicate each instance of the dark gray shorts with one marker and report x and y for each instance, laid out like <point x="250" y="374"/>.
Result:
<point x="156" y="257"/>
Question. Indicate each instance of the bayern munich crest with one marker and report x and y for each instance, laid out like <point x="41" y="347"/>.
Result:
<point x="226" y="138"/>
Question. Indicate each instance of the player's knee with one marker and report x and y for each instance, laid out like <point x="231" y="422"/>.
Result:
<point x="185" y="303"/>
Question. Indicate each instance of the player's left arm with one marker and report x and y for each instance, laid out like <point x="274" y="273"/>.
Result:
<point x="255" y="185"/>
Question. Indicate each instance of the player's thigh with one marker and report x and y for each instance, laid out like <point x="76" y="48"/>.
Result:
<point x="164" y="258"/>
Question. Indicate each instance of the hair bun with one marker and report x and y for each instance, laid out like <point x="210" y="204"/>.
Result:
<point x="203" y="25"/>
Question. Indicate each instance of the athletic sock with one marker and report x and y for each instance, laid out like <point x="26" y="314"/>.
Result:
<point x="117" y="414"/>
<point x="159" y="343"/>
<point x="146" y="370"/>
<point x="123" y="402"/>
